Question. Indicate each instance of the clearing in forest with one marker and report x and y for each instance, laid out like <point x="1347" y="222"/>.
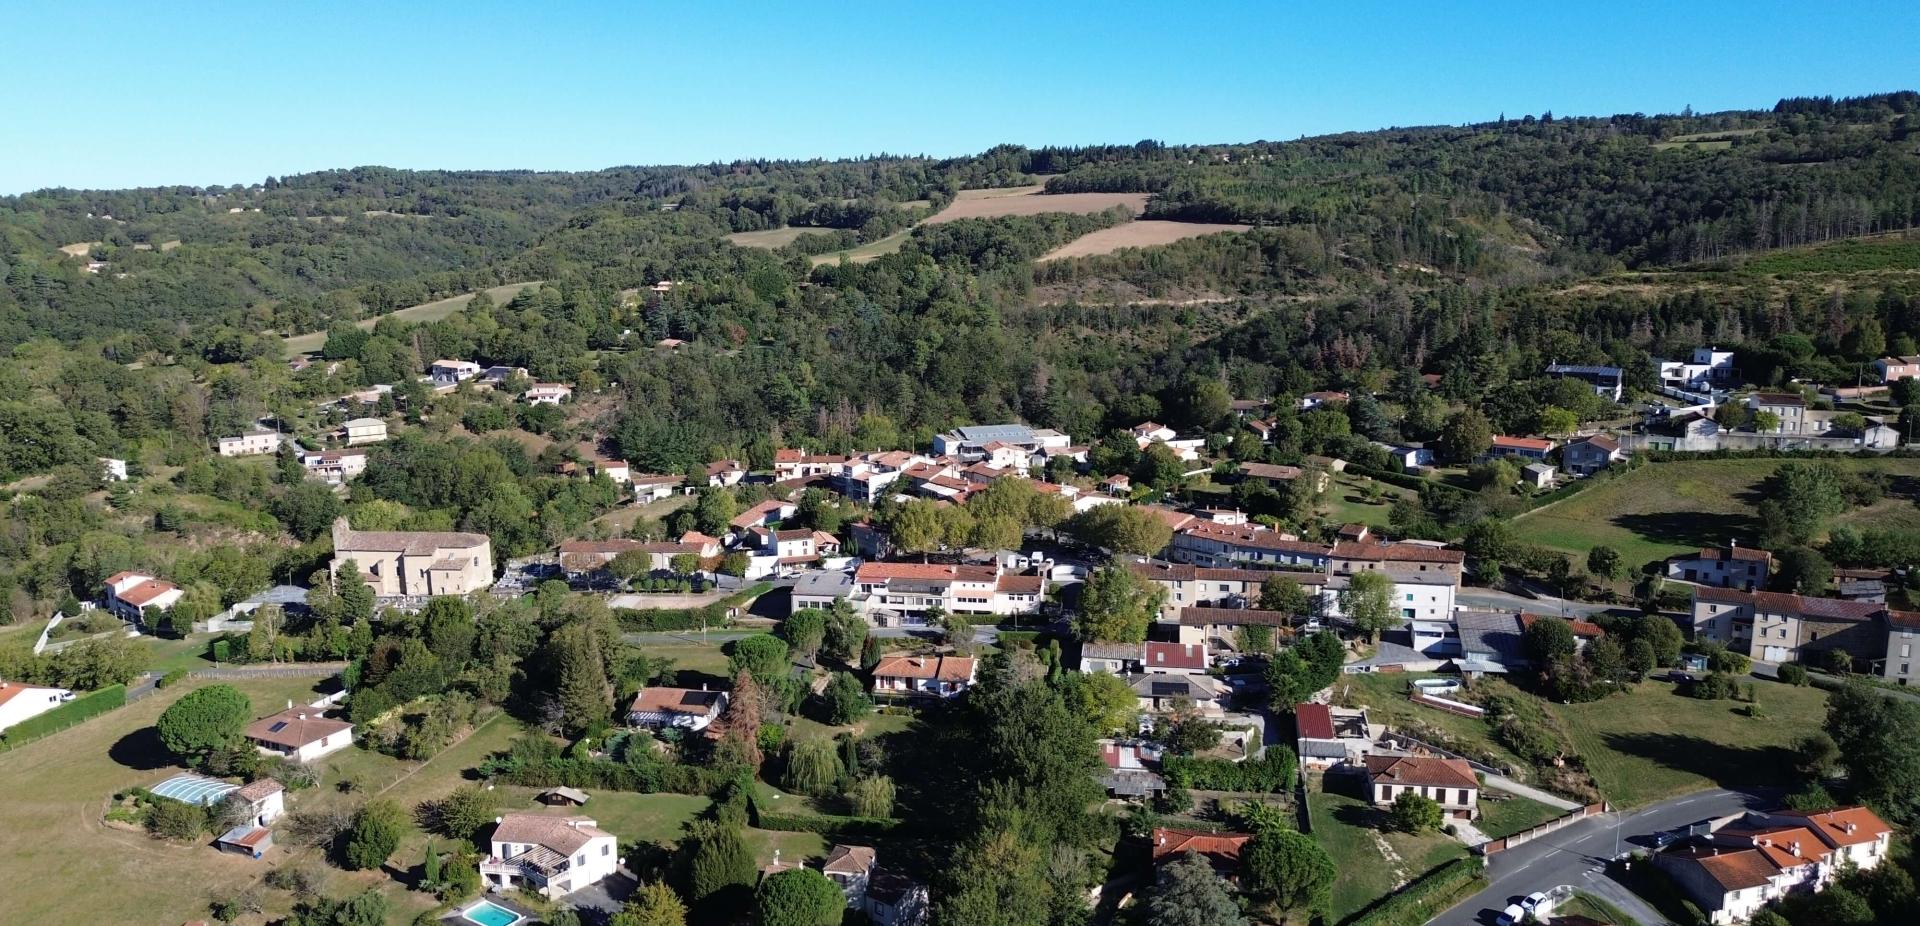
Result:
<point x="424" y="312"/>
<point x="1142" y="233"/>
<point x="1029" y="200"/>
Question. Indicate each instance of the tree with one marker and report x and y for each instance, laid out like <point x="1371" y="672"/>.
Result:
<point x="1414" y="813"/>
<point x="1665" y="638"/>
<point x="1158" y="467"/>
<point x="1640" y="659"/>
<point x="799" y="897"/>
<point x="1879" y="742"/>
<point x="307" y="509"/>
<point x="1288" y="868"/>
<point x="356" y="596"/>
<point x="1116" y="605"/>
<point x="1802" y="570"/>
<point x="872" y="796"/>
<point x="447" y="624"/>
<point x="1190" y="894"/>
<point x="1283" y="594"/>
<point x="1492" y="544"/>
<point x="805" y="630"/>
<point x="738" y="727"/>
<point x="1367" y="601"/>
<point x="1548" y="638"/>
<point x="997" y="533"/>
<point x="813" y="766"/>
<point x="1801" y="498"/>
<point x="1289" y="680"/>
<point x="1816" y="755"/>
<point x="715" y="510"/>
<point x="845" y="632"/>
<point x="1124" y="529"/>
<point x="763" y="655"/>
<point x="1608" y="659"/>
<point x="684" y="564"/>
<point x="204" y="720"/>
<point x="721" y="862"/>
<point x="1604" y="561"/>
<point x="376" y="831"/>
<point x="917" y="527"/>
<point x="583" y="691"/>
<point x="1106" y="701"/>
<point x="462" y="813"/>
<point x="652" y="904"/>
<point x="846" y="699"/>
<point x="1558" y="421"/>
<point x="1465" y="437"/>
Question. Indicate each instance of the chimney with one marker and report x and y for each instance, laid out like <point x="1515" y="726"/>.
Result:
<point x="289" y="704"/>
<point x="1848" y="827"/>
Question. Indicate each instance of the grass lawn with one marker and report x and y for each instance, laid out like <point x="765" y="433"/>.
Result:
<point x="866" y="252"/>
<point x="1666" y="508"/>
<point x="1371" y="863"/>
<point x="1345" y="504"/>
<point x="166" y="655"/>
<point x="425" y="312"/>
<point x="773" y="237"/>
<point x="59" y="787"/>
<point x="1587" y="905"/>
<point x="702" y="658"/>
<point x="1506" y="817"/>
<point x="875" y="724"/>
<point x="654" y="818"/>
<point x="1384" y="694"/>
<point x="1653" y="743"/>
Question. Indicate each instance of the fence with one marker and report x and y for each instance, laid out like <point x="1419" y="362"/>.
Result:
<point x="1493" y="846"/>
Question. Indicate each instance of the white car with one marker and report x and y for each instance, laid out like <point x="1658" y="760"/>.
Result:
<point x="1511" y="916"/>
<point x="1534" y="903"/>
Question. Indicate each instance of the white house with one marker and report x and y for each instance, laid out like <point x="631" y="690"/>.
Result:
<point x="1731" y="566"/>
<point x="20" y="701"/>
<point x="302" y="734"/>
<point x="363" y="431"/>
<point x="1891" y="369"/>
<point x="1606" y="382"/>
<point x="113" y="470"/>
<point x="251" y="443"/>
<point x="689" y="709"/>
<point x="649" y="487"/>
<point x="547" y="393"/>
<point x="912" y="589"/>
<point x="1759" y="858"/>
<point x="550" y="855"/>
<point x="1407" y="457"/>
<point x="265" y="800"/>
<point x="129" y="594"/>
<point x="940" y="676"/>
<point x="448" y="372"/>
<point x="334" y="467"/>
<point x="1706" y="368"/>
<point x="1449" y="782"/>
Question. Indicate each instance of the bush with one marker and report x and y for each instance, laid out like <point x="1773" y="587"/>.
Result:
<point x="1415" y="903"/>
<point x="170" y="819"/>
<point x="1717" y="686"/>
<point x="1272" y="772"/>
<point x="375" y="834"/>
<point x="1794" y="674"/>
<point x="171" y="679"/>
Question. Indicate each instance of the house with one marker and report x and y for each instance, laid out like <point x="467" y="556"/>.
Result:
<point x="1687" y="432"/>
<point x="1891" y="369"/>
<point x="1903" y="632"/>
<point x="652" y="487"/>
<point x="969" y="443"/>
<point x="1327" y="736"/>
<point x="850" y="868"/>
<point x="1313" y="400"/>
<point x="1857" y="835"/>
<point x="1589" y="455"/>
<point x="547" y="393"/>
<point x="1789" y="407"/>
<point x="1607" y="382"/>
<point x="552" y="856"/>
<point x="1777" y="627"/>
<point x="1110" y="658"/>
<point x="412" y="564"/>
<point x="357" y="431"/>
<point x="893" y="899"/>
<point x="302" y="734"/>
<point x="940" y="676"/>
<point x="724" y="473"/>
<point x="449" y="372"/>
<point x="129" y="594"/>
<point x="1182" y="658"/>
<point x="564" y="796"/>
<point x="771" y="511"/>
<point x="1276" y="473"/>
<point x="1221" y="626"/>
<point x="1532" y="448"/>
<point x="1125" y="770"/>
<point x="658" y="708"/>
<point x="19" y="701"/>
<point x="1449" y="782"/>
<point x="819" y="589"/>
<point x="1731" y="566"/>
<point x="1222" y="850"/>
<point x="264" y="799"/>
<point x="1706" y="368"/>
<point x="113" y="470"/>
<point x="251" y="443"/>
<point x="909" y="590"/>
<point x="1405" y="457"/>
<point x="1537" y="475"/>
<point x="334" y="467"/>
<point x="1740" y="866"/>
<point x="1160" y="692"/>
<point x="498" y="376"/>
<point x="799" y="464"/>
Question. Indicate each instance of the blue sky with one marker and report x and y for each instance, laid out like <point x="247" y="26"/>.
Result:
<point x="131" y="94"/>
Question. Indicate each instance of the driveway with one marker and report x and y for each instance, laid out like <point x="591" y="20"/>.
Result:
<point x="1577" y="856"/>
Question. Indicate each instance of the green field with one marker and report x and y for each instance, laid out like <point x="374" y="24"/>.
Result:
<point x="772" y="237"/>
<point x="1511" y="814"/>
<point x="1653" y="743"/>
<point x="1662" y="509"/>
<point x="1384" y="695"/>
<point x="1372" y="863"/>
<point x="425" y="312"/>
<point x="866" y="252"/>
<point x="1345" y="504"/>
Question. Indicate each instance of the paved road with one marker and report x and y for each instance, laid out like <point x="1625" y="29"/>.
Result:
<point x="1577" y="855"/>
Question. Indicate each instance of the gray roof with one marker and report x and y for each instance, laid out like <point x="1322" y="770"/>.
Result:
<point x="824" y="584"/>
<point x="1169" y="685"/>
<point x="988" y="433"/>
<point x="280" y="595"/>
<point x="1110" y="651"/>
<point x="1491" y="638"/>
<point x="1576" y="369"/>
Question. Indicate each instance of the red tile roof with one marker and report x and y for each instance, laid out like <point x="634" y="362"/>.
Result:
<point x="1731" y="869"/>
<point x="1538" y="445"/>
<point x="943" y="668"/>
<point x="924" y="572"/>
<point x="1421" y="771"/>
<point x="1313" y="721"/>
<point x="1176" y="656"/>
<point x="295" y="727"/>
<point x="1202" y="617"/>
<point x="1220" y="847"/>
<point x="1396" y="552"/>
<point x="147" y="591"/>
<point x="1843" y="826"/>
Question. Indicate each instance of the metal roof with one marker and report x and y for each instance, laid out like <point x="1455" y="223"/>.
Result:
<point x="988" y="433"/>
<point x="195" y="789"/>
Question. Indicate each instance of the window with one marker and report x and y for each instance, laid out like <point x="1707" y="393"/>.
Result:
<point x="1906" y="649"/>
<point x="1409" y="596"/>
<point x="605" y="849"/>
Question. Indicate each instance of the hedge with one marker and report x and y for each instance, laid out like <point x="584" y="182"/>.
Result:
<point x="83" y="708"/>
<point x="713" y="615"/>
<point x="1432" y="892"/>
<point x="823" y="824"/>
<point x="1271" y="773"/>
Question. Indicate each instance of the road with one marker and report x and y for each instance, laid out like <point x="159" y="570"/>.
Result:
<point x="1578" y="854"/>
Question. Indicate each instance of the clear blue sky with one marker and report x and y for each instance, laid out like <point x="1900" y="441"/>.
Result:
<point x="126" y="94"/>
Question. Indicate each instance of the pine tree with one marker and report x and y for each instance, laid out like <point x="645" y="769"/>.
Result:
<point x="721" y="861"/>
<point x="739" y="726"/>
<point x="585" y="695"/>
<point x="430" y="870"/>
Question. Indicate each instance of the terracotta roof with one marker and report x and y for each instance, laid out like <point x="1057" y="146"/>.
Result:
<point x="1246" y="535"/>
<point x="925" y="572"/>
<point x="1396" y="552"/>
<point x="1797" y="605"/>
<point x="674" y="701"/>
<point x="1313" y="721"/>
<point x="255" y="791"/>
<point x="147" y="591"/>
<point x="1220" y="847"/>
<point x="1503" y="442"/>
<point x="1832" y="825"/>
<point x="414" y="542"/>
<point x="1780" y="398"/>
<point x="849" y="860"/>
<point x="942" y="668"/>
<point x="1021" y="585"/>
<point x="564" y="835"/>
<point x="1201" y="617"/>
<point x="1579" y="627"/>
<point x="295" y="727"/>
<point x="1421" y="771"/>
<point x="1731" y="869"/>
<point x="1176" y="656"/>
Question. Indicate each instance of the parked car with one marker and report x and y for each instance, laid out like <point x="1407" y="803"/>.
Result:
<point x="1511" y="916"/>
<point x="1664" y="838"/>
<point x="1533" y="903"/>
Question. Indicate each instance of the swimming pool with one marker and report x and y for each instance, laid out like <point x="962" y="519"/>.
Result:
<point x="488" y="913"/>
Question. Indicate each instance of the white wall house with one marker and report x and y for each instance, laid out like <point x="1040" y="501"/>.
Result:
<point x="302" y="734"/>
<point x="251" y="443"/>
<point x="129" y="594"/>
<point x="912" y="589"/>
<point x="549" y="855"/>
<point x="359" y="431"/>
<point x="547" y="393"/>
<point x="658" y="708"/>
<point x="1731" y="566"/>
<point x="19" y="702"/>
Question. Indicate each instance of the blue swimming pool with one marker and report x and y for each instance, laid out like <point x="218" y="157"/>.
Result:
<point x="488" y="913"/>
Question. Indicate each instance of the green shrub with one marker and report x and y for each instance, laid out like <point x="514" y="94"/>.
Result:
<point x="1794" y="674"/>
<point x="84" y="707"/>
<point x="171" y="679"/>
<point x="1415" y="903"/>
<point x="1271" y="772"/>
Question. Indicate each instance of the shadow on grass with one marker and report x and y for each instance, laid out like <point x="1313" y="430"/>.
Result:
<point x="1689" y="528"/>
<point x="141" y="751"/>
<point x="1725" y="765"/>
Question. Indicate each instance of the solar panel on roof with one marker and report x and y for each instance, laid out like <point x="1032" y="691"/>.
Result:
<point x="1168" y="689"/>
<point x="278" y="725"/>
